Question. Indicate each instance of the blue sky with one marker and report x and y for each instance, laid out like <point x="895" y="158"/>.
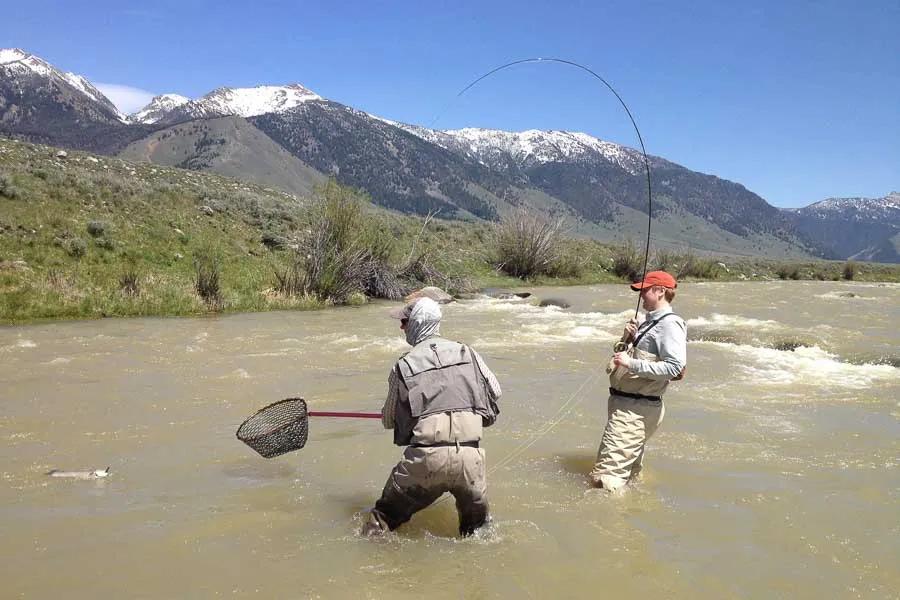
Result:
<point x="796" y="100"/>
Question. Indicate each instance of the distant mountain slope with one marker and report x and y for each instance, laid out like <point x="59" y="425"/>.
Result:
<point x="399" y="170"/>
<point x="228" y="146"/>
<point x="40" y="103"/>
<point x="858" y="228"/>
<point x="593" y="176"/>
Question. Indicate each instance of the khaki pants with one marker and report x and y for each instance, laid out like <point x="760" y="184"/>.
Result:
<point x="423" y="474"/>
<point x="630" y="424"/>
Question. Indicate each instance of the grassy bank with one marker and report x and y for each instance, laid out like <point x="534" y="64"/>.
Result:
<point x="85" y="237"/>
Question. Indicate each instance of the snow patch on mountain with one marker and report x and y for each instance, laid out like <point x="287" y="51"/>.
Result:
<point x="886" y="209"/>
<point x="242" y="102"/>
<point x="81" y="83"/>
<point x="158" y="107"/>
<point x="530" y="147"/>
<point x="259" y="100"/>
<point x="19" y="60"/>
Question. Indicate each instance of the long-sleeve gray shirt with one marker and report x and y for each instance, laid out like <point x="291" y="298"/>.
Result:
<point x="668" y="341"/>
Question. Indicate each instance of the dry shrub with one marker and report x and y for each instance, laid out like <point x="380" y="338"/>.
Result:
<point x="701" y="268"/>
<point x="344" y="253"/>
<point x="208" y="269"/>
<point x="527" y="245"/>
<point x="130" y="282"/>
<point x="665" y="260"/>
<point x="790" y="271"/>
<point x="339" y="252"/>
<point x="628" y="261"/>
<point x="849" y="271"/>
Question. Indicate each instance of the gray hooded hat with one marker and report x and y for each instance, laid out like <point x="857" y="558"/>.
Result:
<point x="423" y="319"/>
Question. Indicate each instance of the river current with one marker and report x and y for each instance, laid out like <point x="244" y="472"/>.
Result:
<point x="774" y="475"/>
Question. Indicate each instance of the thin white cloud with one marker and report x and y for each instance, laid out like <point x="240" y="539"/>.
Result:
<point x="126" y="98"/>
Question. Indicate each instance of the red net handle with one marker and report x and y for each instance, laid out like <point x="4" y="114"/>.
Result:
<point x="355" y="415"/>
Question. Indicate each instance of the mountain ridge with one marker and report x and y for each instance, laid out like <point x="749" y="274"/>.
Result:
<point x="469" y="173"/>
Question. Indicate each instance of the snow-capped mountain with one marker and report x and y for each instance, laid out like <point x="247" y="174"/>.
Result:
<point x="860" y="228"/>
<point x="23" y="74"/>
<point x="495" y="148"/>
<point x="470" y="173"/>
<point x="224" y="101"/>
<point x="159" y="107"/>
<point x="883" y="210"/>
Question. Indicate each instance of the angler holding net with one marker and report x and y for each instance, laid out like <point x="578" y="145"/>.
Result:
<point x="441" y="394"/>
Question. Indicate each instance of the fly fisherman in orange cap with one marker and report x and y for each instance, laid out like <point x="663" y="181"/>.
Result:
<point x="440" y="395"/>
<point x="650" y="355"/>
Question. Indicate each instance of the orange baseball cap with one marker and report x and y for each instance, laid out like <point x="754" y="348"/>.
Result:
<point x="655" y="278"/>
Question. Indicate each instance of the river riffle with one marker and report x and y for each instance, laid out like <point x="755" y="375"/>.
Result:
<point x="775" y="473"/>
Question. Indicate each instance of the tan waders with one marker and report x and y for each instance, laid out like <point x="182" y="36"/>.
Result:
<point x="631" y="423"/>
<point x="422" y="475"/>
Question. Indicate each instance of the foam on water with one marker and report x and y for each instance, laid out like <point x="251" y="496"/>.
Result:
<point x="531" y="325"/>
<point x="20" y="343"/>
<point x="238" y="374"/>
<point x="803" y="366"/>
<point x="737" y="322"/>
<point x="835" y="295"/>
<point x="355" y="343"/>
<point x="59" y="360"/>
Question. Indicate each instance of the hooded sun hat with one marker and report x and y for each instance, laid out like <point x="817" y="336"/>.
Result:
<point x="422" y="319"/>
<point x="655" y="278"/>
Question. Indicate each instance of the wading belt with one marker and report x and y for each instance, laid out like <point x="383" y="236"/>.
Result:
<point x="445" y="445"/>
<point x="615" y="392"/>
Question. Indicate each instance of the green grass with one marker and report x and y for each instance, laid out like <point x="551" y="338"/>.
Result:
<point x="71" y="230"/>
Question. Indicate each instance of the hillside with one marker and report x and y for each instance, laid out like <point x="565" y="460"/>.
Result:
<point x="90" y="236"/>
<point x="228" y="146"/>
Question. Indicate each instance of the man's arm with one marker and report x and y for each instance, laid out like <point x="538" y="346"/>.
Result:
<point x="393" y="396"/>
<point x="672" y="345"/>
<point x="493" y="385"/>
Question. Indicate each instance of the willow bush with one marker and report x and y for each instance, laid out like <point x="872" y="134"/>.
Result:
<point x="527" y="246"/>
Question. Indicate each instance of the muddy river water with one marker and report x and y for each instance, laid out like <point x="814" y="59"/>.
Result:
<point x="775" y="474"/>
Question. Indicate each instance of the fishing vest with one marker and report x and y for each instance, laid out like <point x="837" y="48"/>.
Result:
<point x="440" y="376"/>
<point x="622" y="380"/>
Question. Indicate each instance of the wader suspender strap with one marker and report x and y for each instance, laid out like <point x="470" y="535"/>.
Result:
<point x="652" y="325"/>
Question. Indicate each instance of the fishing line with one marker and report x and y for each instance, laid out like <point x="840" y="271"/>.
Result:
<point x="573" y="400"/>
<point x="557" y="418"/>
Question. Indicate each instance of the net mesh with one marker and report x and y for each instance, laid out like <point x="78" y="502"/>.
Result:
<point x="277" y="429"/>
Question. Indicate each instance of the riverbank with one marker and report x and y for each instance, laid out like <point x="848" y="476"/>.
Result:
<point x="90" y="237"/>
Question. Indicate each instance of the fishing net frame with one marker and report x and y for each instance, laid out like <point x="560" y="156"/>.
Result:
<point x="277" y="429"/>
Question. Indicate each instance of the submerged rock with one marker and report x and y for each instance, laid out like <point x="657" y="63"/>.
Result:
<point x="502" y="294"/>
<point x="560" y="302"/>
<point x="435" y="293"/>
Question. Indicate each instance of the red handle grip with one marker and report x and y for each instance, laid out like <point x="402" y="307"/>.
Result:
<point x="357" y="415"/>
